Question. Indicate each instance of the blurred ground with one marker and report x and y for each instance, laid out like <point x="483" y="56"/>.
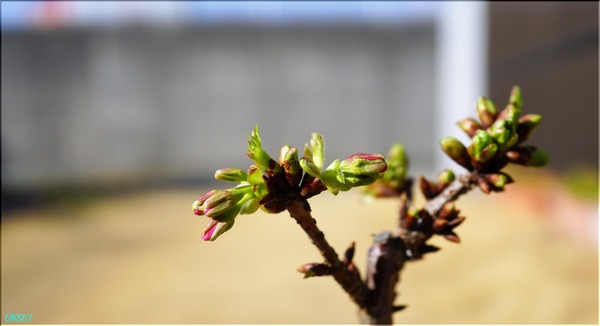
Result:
<point x="139" y="258"/>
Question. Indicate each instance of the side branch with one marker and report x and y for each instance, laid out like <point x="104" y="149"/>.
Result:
<point x="458" y="187"/>
<point x="349" y="279"/>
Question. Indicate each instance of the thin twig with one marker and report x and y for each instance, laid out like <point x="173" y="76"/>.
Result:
<point x="349" y="279"/>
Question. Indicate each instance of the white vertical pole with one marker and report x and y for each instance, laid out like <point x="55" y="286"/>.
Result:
<point x="461" y="43"/>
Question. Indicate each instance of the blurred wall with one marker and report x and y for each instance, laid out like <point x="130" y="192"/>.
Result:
<point x="90" y="105"/>
<point x="550" y="49"/>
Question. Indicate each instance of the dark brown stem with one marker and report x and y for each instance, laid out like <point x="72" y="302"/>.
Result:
<point x="349" y="279"/>
<point x="390" y="251"/>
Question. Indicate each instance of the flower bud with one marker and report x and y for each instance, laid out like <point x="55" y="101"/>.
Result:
<point x="318" y="150"/>
<point x="528" y="156"/>
<point x="512" y="112"/>
<point x="456" y="151"/>
<point x="515" y="97"/>
<point x="364" y="164"/>
<point x="315" y="269"/>
<point x="257" y="181"/>
<point x="257" y="154"/>
<point x="291" y="165"/>
<point x="527" y="124"/>
<point x="310" y="167"/>
<point x="250" y="206"/>
<point x="427" y="188"/>
<point x="482" y="148"/>
<point x="215" y="228"/>
<point x="498" y="180"/>
<point x="445" y="177"/>
<point x="219" y="203"/>
<point x="504" y="134"/>
<point x="231" y="175"/>
<point x="397" y="167"/>
<point x="486" y="110"/>
<point x="197" y="206"/>
<point x="469" y="126"/>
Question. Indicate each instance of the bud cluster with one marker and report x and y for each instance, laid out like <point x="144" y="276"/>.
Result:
<point x="496" y="141"/>
<point x="270" y="184"/>
<point x="443" y="224"/>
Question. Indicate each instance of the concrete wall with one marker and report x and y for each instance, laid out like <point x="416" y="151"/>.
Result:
<point x="83" y="106"/>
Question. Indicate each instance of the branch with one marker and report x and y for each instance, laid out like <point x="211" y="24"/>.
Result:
<point x="347" y="278"/>
<point x="390" y="252"/>
<point x="458" y="187"/>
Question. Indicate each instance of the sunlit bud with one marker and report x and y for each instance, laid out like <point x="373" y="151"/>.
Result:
<point x="257" y="154"/>
<point x="250" y="206"/>
<point x="504" y="134"/>
<point x="486" y="110"/>
<point x="482" y="148"/>
<point x="215" y="228"/>
<point x="446" y="176"/>
<point x="469" y="126"/>
<point x="456" y="151"/>
<point x="527" y="124"/>
<point x="515" y="97"/>
<point x="512" y="112"/>
<point x="283" y="152"/>
<point x="364" y="164"/>
<point x="318" y="150"/>
<point x="197" y="205"/>
<point x="291" y="166"/>
<point x="231" y="175"/>
<point x="257" y="181"/>
<point x="358" y="180"/>
<point x="219" y="203"/>
<point x="310" y="167"/>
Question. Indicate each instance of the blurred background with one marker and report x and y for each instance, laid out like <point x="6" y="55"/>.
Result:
<point x="115" y="116"/>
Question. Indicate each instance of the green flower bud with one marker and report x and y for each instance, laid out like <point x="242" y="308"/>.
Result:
<point x="498" y="180"/>
<point x="446" y="176"/>
<point x="257" y="181"/>
<point x="504" y="134"/>
<point x="291" y="165"/>
<point x="486" y="110"/>
<point x="528" y="156"/>
<point x="456" y="151"/>
<point x="469" y="126"/>
<point x="515" y="97"/>
<point x="539" y="158"/>
<point x="198" y="205"/>
<point x="318" y="150"/>
<point x="250" y="206"/>
<point x="219" y="203"/>
<point x="512" y="112"/>
<point x="482" y="148"/>
<point x="364" y="164"/>
<point x="309" y="167"/>
<point x="257" y="154"/>
<point x="527" y="124"/>
<point x="231" y="175"/>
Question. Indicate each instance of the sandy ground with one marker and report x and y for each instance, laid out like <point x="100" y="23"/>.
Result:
<point x="139" y="258"/>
